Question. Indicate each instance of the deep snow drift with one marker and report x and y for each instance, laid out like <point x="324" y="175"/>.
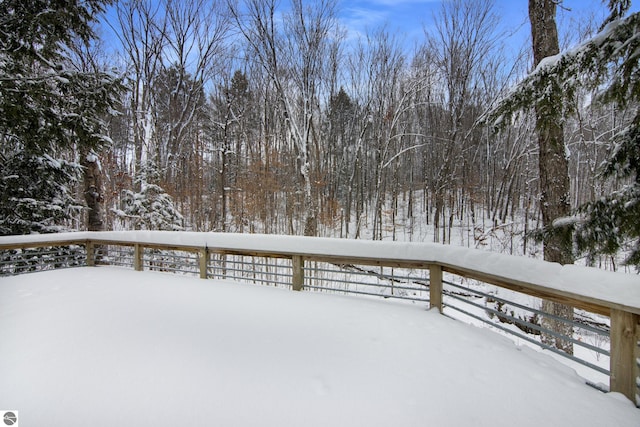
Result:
<point x="107" y="346"/>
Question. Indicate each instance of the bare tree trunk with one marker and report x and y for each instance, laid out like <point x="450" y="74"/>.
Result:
<point x="141" y="33"/>
<point x="93" y="196"/>
<point x="553" y="165"/>
<point x="93" y="192"/>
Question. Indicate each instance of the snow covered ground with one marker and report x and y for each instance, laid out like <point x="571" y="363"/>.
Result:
<point x="107" y="347"/>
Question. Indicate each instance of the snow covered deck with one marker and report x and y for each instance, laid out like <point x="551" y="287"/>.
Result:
<point x="107" y="346"/>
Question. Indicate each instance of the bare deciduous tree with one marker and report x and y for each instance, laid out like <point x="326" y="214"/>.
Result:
<point x="141" y="27"/>
<point x="292" y="54"/>
<point x="460" y="48"/>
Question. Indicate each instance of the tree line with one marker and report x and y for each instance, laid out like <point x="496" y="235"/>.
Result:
<point x="263" y="116"/>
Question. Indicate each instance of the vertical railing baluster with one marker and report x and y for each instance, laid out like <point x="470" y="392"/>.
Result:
<point x="435" y="287"/>
<point x="204" y="262"/>
<point x="297" y="281"/>
<point x="624" y="349"/>
<point x="138" y="251"/>
<point x="91" y="255"/>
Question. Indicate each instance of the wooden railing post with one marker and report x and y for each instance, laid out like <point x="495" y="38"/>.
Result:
<point x="625" y="332"/>
<point x="297" y="281"/>
<point x="435" y="287"/>
<point x="91" y="254"/>
<point x="138" y="251"/>
<point x="204" y="262"/>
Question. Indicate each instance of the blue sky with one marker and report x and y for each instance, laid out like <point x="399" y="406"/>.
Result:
<point x="408" y="18"/>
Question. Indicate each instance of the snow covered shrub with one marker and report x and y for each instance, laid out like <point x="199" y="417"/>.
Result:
<point x="150" y="208"/>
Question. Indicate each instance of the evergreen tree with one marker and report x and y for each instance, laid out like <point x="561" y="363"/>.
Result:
<point x="612" y="223"/>
<point x="608" y="65"/>
<point x="47" y="108"/>
<point x="151" y="208"/>
<point x="340" y="115"/>
<point x="35" y="194"/>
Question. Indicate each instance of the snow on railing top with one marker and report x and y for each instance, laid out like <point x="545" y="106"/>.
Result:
<point x="609" y="289"/>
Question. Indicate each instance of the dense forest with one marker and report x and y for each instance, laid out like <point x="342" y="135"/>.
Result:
<point x="266" y="116"/>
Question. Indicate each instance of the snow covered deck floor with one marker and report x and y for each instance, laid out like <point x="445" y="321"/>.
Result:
<point x="109" y="347"/>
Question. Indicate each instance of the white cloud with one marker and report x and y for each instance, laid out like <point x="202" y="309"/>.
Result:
<point x="361" y="17"/>
<point x="400" y="16"/>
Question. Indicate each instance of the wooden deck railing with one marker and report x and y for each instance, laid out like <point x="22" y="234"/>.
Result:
<point x="611" y="294"/>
